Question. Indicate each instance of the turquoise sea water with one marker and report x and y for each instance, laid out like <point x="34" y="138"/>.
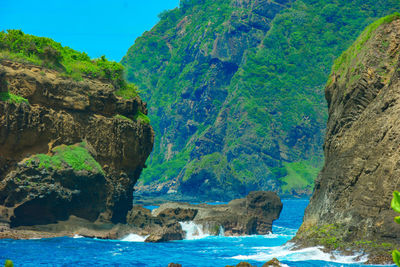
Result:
<point x="200" y="250"/>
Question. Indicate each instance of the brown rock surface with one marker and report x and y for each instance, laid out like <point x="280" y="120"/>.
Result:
<point x="351" y="201"/>
<point x="178" y="214"/>
<point x="272" y="263"/>
<point x="242" y="264"/>
<point x="251" y="215"/>
<point x="62" y="111"/>
<point x="141" y="218"/>
<point x="166" y="233"/>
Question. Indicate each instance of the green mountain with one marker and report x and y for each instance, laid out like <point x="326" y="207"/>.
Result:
<point x="235" y="90"/>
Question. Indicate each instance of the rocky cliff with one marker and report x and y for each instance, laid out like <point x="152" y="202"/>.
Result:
<point x="67" y="147"/>
<point x="235" y="91"/>
<point x="350" y="207"/>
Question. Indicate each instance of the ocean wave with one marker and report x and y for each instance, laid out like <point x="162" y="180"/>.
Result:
<point x="286" y="253"/>
<point x="267" y="236"/>
<point x="193" y="231"/>
<point x="134" y="238"/>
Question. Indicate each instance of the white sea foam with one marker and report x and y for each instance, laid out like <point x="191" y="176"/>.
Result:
<point x="193" y="231"/>
<point x="285" y="253"/>
<point x="134" y="238"/>
<point x="221" y="231"/>
<point x="77" y="236"/>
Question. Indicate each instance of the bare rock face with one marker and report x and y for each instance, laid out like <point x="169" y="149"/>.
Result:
<point x="141" y="218"/>
<point x="73" y="149"/>
<point x="178" y="214"/>
<point x="168" y="232"/>
<point x="352" y="194"/>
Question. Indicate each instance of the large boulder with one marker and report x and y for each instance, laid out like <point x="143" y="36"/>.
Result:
<point x="167" y="233"/>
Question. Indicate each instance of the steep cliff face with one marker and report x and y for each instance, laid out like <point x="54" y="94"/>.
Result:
<point x="67" y="147"/>
<point x="351" y="203"/>
<point x="235" y="91"/>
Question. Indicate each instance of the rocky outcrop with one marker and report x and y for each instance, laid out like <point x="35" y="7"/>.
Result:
<point x="178" y="214"/>
<point x="248" y="216"/>
<point x="350" y="207"/>
<point x="168" y="232"/>
<point x="73" y="148"/>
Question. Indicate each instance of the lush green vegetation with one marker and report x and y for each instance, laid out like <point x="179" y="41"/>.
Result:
<point x="344" y="62"/>
<point x="396" y="207"/>
<point x="331" y="237"/>
<point x="11" y="98"/>
<point x="122" y="117"/>
<point x="142" y="117"/>
<point x="76" y="157"/>
<point x="275" y="99"/>
<point x="8" y="263"/>
<point x="300" y="176"/>
<point x="16" y="45"/>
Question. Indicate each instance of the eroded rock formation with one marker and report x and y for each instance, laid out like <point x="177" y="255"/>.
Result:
<point x="246" y="216"/>
<point x="73" y="149"/>
<point x="350" y="208"/>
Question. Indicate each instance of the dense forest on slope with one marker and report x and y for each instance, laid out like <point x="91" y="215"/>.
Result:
<point x="235" y="90"/>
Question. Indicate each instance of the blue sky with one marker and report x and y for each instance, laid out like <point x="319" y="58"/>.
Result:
<point x="97" y="27"/>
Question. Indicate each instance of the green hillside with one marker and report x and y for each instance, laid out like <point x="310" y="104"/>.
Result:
<point x="18" y="46"/>
<point x="235" y="90"/>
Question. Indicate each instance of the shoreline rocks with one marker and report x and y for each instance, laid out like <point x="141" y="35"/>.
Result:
<point x="251" y="215"/>
<point x="247" y="216"/>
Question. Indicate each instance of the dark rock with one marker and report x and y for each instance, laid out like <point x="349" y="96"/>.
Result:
<point x="141" y="218"/>
<point x="174" y="265"/>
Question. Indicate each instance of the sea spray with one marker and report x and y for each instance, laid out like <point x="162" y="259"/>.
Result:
<point x="287" y="253"/>
<point x="221" y="231"/>
<point x="193" y="230"/>
<point x="134" y="238"/>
